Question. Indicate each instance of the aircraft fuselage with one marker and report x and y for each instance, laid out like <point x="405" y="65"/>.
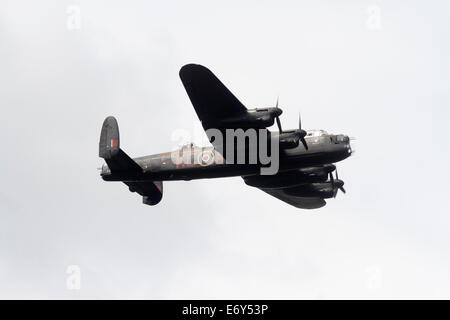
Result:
<point x="324" y="149"/>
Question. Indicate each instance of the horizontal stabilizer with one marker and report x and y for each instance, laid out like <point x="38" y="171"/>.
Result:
<point x="123" y="167"/>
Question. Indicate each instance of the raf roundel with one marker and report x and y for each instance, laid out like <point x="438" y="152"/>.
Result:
<point x="205" y="158"/>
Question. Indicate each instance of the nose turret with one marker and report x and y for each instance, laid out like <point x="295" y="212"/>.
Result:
<point x="344" y="142"/>
<point x="340" y="138"/>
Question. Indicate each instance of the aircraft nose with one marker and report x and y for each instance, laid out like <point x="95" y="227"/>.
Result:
<point x="345" y="142"/>
<point x="350" y="146"/>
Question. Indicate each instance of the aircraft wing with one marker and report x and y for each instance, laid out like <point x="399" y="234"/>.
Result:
<point x="212" y="101"/>
<point x="298" y="202"/>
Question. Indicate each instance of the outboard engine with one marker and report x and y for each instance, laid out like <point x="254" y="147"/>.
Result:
<point x="290" y="178"/>
<point x="253" y="118"/>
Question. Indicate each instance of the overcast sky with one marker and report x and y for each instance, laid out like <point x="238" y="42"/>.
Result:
<point x="375" y="70"/>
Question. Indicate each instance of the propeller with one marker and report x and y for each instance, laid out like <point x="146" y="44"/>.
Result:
<point x="302" y="132"/>
<point x="278" y="119"/>
<point x="336" y="184"/>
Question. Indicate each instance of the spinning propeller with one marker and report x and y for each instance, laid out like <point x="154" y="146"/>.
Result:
<point x="278" y="119"/>
<point x="336" y="184"/>
<point x="300" y="134"/>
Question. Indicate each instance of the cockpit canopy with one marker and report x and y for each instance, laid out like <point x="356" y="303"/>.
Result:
<point x="342" y="138"/>
<point x="188" y="145"/>
<point x="316" y="133"/>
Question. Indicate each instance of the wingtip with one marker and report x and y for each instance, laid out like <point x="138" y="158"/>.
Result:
<point x="192" y="67"/>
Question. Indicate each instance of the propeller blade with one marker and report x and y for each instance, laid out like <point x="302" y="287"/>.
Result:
<point x="279" y="124"/>
<point x="335" y="189"/>
<point x="302" y="139"/>
<point x="278" y="118"/>
<point x="302" y="133"/>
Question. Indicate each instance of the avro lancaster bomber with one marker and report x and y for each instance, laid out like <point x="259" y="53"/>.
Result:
<point x="302" y="162"/>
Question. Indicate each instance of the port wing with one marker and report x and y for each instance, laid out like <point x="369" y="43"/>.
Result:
<point x="212" y="101"/>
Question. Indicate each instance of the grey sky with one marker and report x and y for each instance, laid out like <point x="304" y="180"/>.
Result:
<point x="389" y="87"/>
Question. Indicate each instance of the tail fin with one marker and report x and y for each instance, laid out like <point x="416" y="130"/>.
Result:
<point x="123" y="168"/>
<point x="109" y="149"/>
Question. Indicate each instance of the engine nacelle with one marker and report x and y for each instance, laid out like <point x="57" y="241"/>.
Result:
<point x="290" y="178"/>
<point x="322" y="190"/>
<point x="254" y="118"/>
<point x="289" y="140"/>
